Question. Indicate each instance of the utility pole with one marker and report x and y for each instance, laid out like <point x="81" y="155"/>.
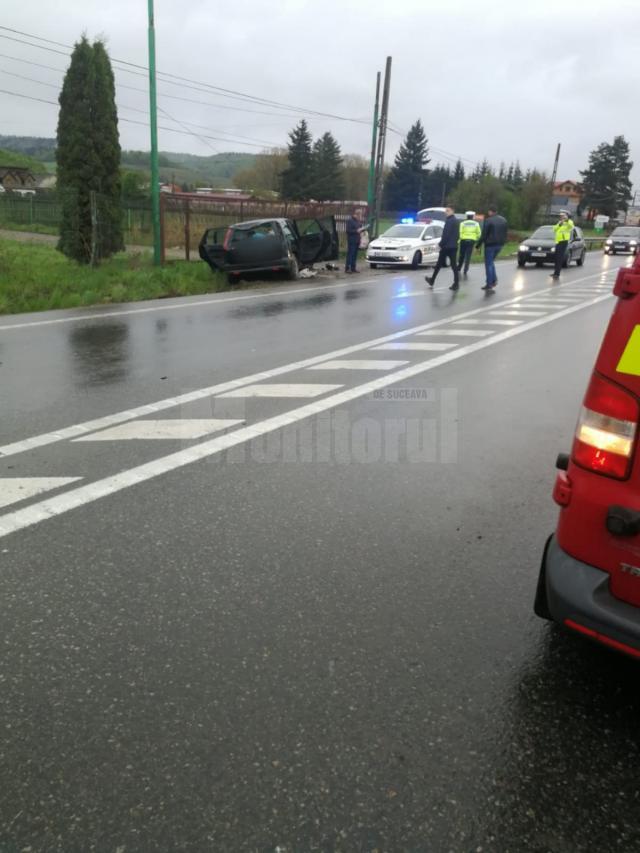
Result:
<point x="153" y="122"/>
<point x="382" y="138"/>
<point x="553" y="177"/>
<point x="371" y="192"/>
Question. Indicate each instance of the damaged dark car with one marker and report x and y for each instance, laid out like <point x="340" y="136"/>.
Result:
<point x="269" y="245"/>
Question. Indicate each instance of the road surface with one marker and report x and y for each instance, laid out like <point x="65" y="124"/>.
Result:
<point x="267" y="563"/>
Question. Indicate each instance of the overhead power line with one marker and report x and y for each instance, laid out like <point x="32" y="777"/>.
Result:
<point x="168" y="78"/>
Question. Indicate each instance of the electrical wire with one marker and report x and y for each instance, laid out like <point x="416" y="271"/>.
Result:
<point x="169" y="78"/>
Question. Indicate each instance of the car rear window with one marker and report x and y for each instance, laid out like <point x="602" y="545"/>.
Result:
<point x="404" y="231"/>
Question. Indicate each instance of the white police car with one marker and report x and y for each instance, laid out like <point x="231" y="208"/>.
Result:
<point x="407" y="244"/>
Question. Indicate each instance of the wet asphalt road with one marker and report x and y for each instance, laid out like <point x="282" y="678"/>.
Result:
<point x="323" y="650"/>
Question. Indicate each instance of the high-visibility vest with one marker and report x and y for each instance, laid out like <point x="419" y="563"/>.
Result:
<point x="470" y="230"/>
<point x="563" y="231"/>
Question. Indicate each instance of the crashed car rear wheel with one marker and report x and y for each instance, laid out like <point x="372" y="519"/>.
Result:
<point x="233" y="278"/>
<point x="294" y="269"/>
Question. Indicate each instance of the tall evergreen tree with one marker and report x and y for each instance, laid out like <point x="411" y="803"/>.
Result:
<point x="518" y="178"/>
<point x="458" y="173"/>
<point x="298" y="176"/>
<point x="107" y="146"/>
<point x="502" y="173"/>
<point x="606" y="180"/>
<point x="88" y="157"/>
<point x="328" y="170"/>
<point x="405" y="184"/>
<point x="509" y="176"/>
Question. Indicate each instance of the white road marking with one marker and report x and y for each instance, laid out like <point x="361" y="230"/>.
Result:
<point x="76" y="430"/>
<point x="488" y="322"/>
<point x="49" y="508"/>
<point x="293" y="389"/>
<point x="168" y="429"/>
<point x="358" y="364"/>
<point x="516" y="312"/>
<point x="13" y="489"/>
<point x="459" y="333"/>
<point x="418" y="346"/>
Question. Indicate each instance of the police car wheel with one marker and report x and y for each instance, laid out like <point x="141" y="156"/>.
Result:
<point x="373" y="266"/>
<point x="417" y="260"/>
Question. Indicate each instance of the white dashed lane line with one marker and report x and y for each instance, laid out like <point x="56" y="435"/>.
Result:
<point x="359" y="364"/>
<point x="16" y="489"/>
<point x="179" y="429"/>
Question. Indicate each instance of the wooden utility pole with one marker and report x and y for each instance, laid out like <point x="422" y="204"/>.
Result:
<point x="371" y="193"/>
<point x="553" y="178"/>
<point x="382" y="138"/>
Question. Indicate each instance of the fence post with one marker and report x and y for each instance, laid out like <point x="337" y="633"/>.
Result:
<point x="162" y="235"/>
<point x="187" y="229"/>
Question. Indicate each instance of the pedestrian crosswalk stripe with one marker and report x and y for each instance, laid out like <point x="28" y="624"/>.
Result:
<point x="488" y="322"/>
<point x="14" y="489"/>
<point x="177" y="428"/>
<point x="517" y="313"/>
<point x="358" y="364"/>
<point x="293" y="389"/>
<point x="419" y="346"/>
<point x="459" y="333"/>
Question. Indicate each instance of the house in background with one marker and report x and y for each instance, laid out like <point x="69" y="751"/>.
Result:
<point x="567" y="195"/>
<point x="16" y="178"/>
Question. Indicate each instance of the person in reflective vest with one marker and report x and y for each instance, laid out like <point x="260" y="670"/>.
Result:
<point x="469" y="236"/>
<point x="562" y="230"/>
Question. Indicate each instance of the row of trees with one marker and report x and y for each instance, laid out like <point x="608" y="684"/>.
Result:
<point x="305" y="170"/>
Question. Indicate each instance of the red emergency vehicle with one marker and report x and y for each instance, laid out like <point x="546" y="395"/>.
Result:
<point x="590" y="575"/>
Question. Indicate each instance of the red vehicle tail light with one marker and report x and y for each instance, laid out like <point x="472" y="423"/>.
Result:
<point x="606" y="431"/>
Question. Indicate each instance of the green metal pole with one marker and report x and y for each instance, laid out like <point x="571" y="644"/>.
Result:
<point x="153" y="122"/>
<point x="374" y="142"/>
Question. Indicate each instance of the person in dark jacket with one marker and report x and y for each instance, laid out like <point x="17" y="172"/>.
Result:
<point x="494" y="236"/>
<point x="448" y="249"/>
<point x="354" y="231"/>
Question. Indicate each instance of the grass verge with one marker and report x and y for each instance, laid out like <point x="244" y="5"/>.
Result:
<point x="38" y="278"/>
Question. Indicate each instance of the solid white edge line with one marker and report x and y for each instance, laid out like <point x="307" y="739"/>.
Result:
<point x="20" y="519"/>
<point x="75" y="430"/>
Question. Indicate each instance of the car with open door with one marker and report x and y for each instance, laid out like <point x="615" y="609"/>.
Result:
<point x="406" y="244"/>
<point x="589" y="580"/>
<point x="540" y="248"/>
<point x="269" y="245"/>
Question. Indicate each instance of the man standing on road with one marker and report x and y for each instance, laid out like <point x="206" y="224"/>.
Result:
<point x="354" y="230"/>
<point x="469" y="236"/>
<point x="448" y="249"/>
<point x="562" y="230"/>
<point x="494" y="236"/>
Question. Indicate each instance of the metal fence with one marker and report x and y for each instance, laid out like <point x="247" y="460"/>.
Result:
<point x="186" y="216"/>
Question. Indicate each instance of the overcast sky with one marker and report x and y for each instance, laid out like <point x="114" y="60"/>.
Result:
<point x="496" y="79"/>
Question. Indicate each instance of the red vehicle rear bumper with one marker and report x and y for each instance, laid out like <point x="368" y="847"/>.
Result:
<point x="577" y="595"/>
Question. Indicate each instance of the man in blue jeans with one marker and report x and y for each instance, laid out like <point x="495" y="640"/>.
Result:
<point x="494" y="236"/>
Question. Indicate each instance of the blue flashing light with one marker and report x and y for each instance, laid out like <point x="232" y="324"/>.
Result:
<point x="407" y="220"/>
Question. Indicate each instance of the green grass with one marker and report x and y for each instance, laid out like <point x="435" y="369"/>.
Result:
<point x="38" y="278"/>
